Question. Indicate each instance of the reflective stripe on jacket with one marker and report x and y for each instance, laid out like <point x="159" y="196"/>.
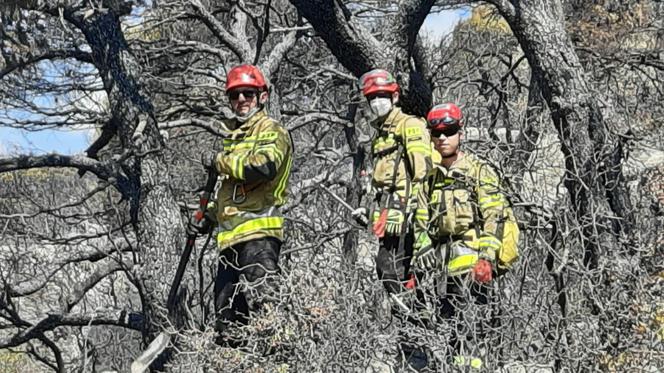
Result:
<point x="256" y="162"/>
<point x="411" y="132"/>
<point x="466" y="203"/>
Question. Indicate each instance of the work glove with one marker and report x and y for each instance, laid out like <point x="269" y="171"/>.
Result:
<point x="208" y="158"/>
<point x="482" y="272"/>
<point x="394" y="223"/>
<point x="360" y="216"/>
<point x="411" y="282"/>
<point x="199" y="223"/>
<point x="424" y="254"/>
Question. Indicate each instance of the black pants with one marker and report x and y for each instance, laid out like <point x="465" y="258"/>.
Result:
<point x="392" y="264"/>
<point x="466" y="306"/>
<point x="254" y="262"/>
<point x="452" y="300"/>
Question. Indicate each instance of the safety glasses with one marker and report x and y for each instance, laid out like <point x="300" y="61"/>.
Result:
<point x="445" y="121"/>
<point x="447" y="131"/>
<point x="248" y="94"/>
<point x="378" y="95"/>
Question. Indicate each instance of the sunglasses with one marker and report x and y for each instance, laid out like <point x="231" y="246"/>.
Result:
<point x="234" y="95"/>
<point x="378" y="95"/>
<point x="448" y="132"/>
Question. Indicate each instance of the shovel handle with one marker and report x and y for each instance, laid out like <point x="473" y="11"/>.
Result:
<point x="191" y="239"/>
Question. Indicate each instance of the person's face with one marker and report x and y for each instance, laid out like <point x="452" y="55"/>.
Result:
<point x="447" y="141"/>
<point x="381" y="103"/>
<point x="245" y="99"/>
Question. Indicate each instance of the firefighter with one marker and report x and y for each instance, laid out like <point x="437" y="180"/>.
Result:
<point x="255" y="164"/>
<point x="401" y="153"/>
<point x="401" y="160"/>
<point x="470" y="219"/>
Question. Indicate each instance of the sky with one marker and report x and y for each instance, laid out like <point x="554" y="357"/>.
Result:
<point x="14" y="141"/>
<point x="65" y="141"/>
<point x="438" y="25"/>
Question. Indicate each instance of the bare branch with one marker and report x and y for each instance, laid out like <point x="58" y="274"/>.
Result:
<point x="355" y="47"/>
<point x="277" y="54"/>
<point x="57" y="353"/>
<point x="303" y="120"/>
<point x="54" y="321"/>
<point x="35" y="285"/>
<point x="506" y="9"/>
<point x="78" y="290"/>
<point x="25" y="61"/>
<point x="214" y="127"/>
<point x="237" y="46"/>
<point x="78" y="161"/>
<point x="409" y="20"/>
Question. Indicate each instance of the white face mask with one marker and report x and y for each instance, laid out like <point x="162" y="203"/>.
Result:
<point x="381" y="106"/>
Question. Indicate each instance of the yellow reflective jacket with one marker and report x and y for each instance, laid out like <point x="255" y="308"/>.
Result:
<point x="468" y="211"/>
<point x="411" y="133"/>
<point x="255" y="166"/>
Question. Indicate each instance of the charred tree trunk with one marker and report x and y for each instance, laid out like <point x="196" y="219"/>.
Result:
<point x="154" y="213"/>
<point x="539" y="26"/>
<point x="531" y="131"/>
<point x="359" y="51"/>
<point x="354" y="189"/>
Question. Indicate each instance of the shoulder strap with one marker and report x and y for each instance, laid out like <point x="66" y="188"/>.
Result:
<point x="432" y="180"/>
<point x="402" y="147"/>
<point x="397" y="161"/>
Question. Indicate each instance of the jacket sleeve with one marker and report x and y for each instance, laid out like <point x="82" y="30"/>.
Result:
<point x="262" y="164"/>
<point x="492" y="203"/>
<point x="418" y="150"/>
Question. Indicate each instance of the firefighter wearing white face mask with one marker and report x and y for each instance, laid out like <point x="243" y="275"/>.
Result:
<point x="401" y="155"/>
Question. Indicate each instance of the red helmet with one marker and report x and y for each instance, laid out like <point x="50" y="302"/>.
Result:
<point x="443" y="116"/>
<point x="378" y="81"/>
<point x="245" y="76"/>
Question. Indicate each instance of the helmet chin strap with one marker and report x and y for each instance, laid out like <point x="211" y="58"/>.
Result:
<point x="244" y="118"/>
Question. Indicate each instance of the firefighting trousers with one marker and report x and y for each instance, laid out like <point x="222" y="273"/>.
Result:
<point x="244" y="279"/>
<point x="393" y="264"/>
<point x="466" y="307"/>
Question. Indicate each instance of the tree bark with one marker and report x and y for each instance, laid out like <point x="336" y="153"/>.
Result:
<point x="354" y="189"/>
<point x="531" y="131"/>
<point x="539" y="26"/>
<point x="154" y="212"/>
<point x="359" y="51"/>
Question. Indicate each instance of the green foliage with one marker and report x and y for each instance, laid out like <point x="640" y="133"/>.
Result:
<point x="485" y="18"/>
<point x="13" y="362"/>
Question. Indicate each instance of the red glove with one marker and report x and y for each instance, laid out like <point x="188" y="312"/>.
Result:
<point x="482" y="272"/>
<point x="411" y="282"/>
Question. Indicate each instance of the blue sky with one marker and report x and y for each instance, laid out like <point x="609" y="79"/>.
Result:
<point x="14" y="140"/>
<point x="19" y="141"/>
<point x="437" y="25"/>
<point x="40" y="142"/>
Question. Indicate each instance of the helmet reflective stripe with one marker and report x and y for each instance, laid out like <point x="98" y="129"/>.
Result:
<point x="444" y="115"/>
<point x="378" y="81"/>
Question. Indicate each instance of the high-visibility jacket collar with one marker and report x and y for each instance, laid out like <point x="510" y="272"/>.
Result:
<point x="390" y="122"/>
<point x="257" y="117"/>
